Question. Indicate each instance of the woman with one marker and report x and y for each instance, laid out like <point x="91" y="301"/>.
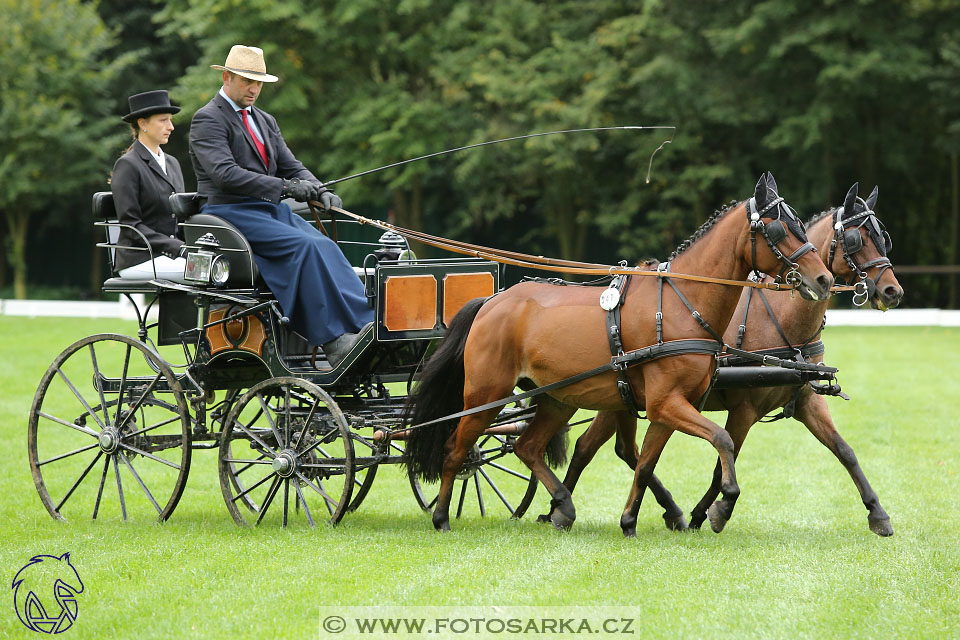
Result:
<point x="143" y="179"/>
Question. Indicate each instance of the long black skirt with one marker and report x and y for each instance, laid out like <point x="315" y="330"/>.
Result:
<point x="313" y="282"/>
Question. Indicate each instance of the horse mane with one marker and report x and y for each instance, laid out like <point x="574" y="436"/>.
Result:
<point x="817" y="217"/>
<point x="704" y="228"/>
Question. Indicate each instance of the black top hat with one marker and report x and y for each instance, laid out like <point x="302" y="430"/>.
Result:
<point x="144" y="105"/>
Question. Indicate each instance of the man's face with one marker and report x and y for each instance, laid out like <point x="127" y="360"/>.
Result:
<point x="243" y="91"/>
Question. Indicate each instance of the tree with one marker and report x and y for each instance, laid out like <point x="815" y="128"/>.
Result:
<point x="54" y="127"/>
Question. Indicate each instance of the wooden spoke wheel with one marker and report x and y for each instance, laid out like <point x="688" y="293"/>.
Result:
<point x="286" y="455"/>
<point x="492" y="480"/>
<point x="109" y="432"/>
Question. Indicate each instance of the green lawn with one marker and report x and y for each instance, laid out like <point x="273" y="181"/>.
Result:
<point x="796" y="560"/>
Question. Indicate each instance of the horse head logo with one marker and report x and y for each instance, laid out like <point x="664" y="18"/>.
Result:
<point x="51" y="580"/>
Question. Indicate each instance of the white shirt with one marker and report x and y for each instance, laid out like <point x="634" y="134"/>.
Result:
<point x="250" y="119"/>
<point x="159" y="157"/>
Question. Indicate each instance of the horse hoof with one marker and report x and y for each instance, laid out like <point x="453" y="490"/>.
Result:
<point x="630" y="532"/>
<point x="543" y="519"/>
<point x="717" y="521"/>
<point x="675" y="523"/>
<point x="561" y="521"/>
<point x="881" y="527"/>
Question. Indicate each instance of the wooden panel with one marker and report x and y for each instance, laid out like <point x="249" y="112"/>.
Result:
<point x="410" y="302"/>
<point x="245" y="333"/>
<point x="460" y="288"/>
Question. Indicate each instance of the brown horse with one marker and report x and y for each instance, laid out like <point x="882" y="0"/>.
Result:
<point x="538" y="334"/>
<point x="860" y="257"/>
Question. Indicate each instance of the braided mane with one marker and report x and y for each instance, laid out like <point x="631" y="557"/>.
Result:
<point x="704" y="228"/>
<point x="818" y="217"/>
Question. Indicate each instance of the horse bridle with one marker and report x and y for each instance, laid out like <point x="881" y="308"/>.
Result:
<point x="846" y="233"/>
<point x="774" y="233"/>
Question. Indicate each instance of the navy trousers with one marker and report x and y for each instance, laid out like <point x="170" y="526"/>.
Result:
<point x="311" y="278"/>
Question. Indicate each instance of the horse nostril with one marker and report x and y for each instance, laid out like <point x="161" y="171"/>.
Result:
<point x="891" y="292"/>
<point x="825" y="282"/>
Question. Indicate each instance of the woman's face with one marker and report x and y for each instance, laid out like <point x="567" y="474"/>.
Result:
<point x="156" y="129"/>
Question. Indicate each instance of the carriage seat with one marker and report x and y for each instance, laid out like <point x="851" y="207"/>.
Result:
<point x="105" y="215"/>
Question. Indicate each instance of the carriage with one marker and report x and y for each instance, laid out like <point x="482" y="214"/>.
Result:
<point x="283" y="419"/>
<point x="215" y="365"/>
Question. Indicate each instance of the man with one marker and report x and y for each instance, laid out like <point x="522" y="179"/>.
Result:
<point x="244" y="169"/>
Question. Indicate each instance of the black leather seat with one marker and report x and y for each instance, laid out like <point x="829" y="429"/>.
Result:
<point x="105" y="215"/>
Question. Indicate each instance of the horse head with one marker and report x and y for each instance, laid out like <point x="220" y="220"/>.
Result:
<point x="782" y="245"/>
<point x="858" y="251"/>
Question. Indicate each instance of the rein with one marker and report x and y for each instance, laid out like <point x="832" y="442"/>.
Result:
<point x="543" y="263"/>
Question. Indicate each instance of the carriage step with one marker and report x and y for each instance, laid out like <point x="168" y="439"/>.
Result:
<point x="752" y="377"/>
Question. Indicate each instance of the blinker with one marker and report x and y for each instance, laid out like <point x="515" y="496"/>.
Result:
<point x="775" y="231"/>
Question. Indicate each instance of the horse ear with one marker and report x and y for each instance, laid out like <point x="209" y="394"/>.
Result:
<point x="771" y="183"/>
<point x="760" y="193"/>
<point x="850" y="198"/>
<point x="65" y="556"/>
<point x="872" y="198"/>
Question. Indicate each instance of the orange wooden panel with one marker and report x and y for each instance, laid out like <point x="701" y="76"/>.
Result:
<point x="410" y="303"/>
<point x="216" y="335"/>
<point x="245" y="333"/>
<point x="460" y="288"/>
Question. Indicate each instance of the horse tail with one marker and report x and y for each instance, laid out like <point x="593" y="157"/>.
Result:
<point x="439" y="393"/>
<point x="557" y="449"/>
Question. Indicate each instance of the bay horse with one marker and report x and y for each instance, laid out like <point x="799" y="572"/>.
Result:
<point x="856" y="250"/>
<point x="537" y="334"/>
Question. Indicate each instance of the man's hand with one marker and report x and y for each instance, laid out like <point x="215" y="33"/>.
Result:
<point x="299" y="190"/>
<point x="329" y="199"/>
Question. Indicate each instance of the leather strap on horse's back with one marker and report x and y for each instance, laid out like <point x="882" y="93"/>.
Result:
<point x="621" y="283"/>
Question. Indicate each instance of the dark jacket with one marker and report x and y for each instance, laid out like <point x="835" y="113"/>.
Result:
<point x="229" y="169"/>
<point x="140" y="196"/>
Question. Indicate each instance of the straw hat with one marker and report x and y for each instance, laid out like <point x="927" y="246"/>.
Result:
<point x="247" y="62"/>
<point x="144" y="105"/>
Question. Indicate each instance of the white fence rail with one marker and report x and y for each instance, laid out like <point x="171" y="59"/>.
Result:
<point x="835" y="317"/>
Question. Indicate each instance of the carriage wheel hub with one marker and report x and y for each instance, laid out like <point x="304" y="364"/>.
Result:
<point x="109" y="440"/>
<point x="285" y="464"/>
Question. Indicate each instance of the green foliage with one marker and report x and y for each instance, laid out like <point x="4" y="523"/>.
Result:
<point x="53" y="129"/>
<point x="823" y="94"/>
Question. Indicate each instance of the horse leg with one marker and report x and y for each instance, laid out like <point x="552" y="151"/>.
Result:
<point x="626" y="448"/>
<point x="458" y="447"/>
<point x="678" y="413"/>
<point x="624" y="425"/>
<point x="813" y="412"/>
<point x="531" y="446"/>
<point x="653" y="442"/>
<point x="601" y="429"/>
<point x="739" y="421"/>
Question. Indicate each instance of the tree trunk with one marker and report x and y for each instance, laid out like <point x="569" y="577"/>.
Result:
<point x="954" y="228"/>
<point x="3" y="258"/>
<point x="408" y="209"/>
<point x="18" y="223"/>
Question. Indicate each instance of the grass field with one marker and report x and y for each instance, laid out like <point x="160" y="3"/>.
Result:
<point x="797" y="559"/>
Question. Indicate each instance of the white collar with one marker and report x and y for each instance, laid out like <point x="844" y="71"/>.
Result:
<point x="159" y="157"/>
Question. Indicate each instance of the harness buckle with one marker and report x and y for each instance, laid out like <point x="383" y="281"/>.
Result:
<point x="860" y="293"/>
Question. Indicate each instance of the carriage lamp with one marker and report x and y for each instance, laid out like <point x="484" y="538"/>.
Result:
<point x="204" y="265"/>
<point x="393" y="246"/>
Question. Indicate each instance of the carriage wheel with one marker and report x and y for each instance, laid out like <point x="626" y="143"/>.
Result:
<point x="363" y="473"/>
<point x="492" y="479"/>
<point x="109" y="432"/>
<point x="286" y="453"/>
<point x="235" y="477"/>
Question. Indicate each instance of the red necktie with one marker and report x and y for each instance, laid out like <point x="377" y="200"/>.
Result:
<point x="262" y="149"/>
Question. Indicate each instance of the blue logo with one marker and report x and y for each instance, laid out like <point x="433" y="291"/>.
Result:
<point x="45" y="593"/>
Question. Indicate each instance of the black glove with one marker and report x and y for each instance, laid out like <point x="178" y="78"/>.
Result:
<point x="329" y="199"/>
<point x="299" y="190"/>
